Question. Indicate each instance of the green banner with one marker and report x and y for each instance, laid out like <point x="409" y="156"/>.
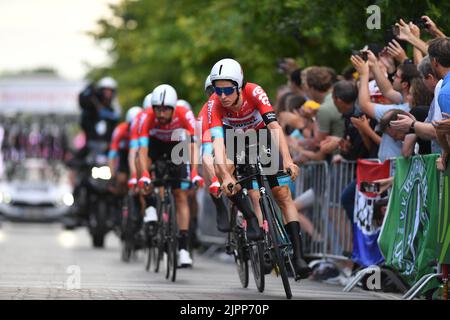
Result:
<point x="443" y="237"/>
<point x="408" y="236"/>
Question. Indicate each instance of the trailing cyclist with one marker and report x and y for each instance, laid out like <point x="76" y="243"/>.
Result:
<point x="209" y="173"/>
<point x="156" y="143"/>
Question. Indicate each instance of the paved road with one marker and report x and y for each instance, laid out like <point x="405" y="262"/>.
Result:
<point x="40" y="261"/>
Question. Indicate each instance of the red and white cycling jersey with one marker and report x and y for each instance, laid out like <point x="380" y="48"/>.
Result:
<point x="150" y="126"/>
<point x="203" y="119"/>
<point x="255" y="104"/>
<point x="136" y="124"/>
<point x="120" y="137"/>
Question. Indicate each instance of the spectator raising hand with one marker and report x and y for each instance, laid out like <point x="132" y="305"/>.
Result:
<point x="405" y="31"/>
<point x="371" y="58"/>
<point x="415" y="30"/>
<point x="360" y="65"/>
<point x="396" y="51"/>
<point x="432" y="28"/>
<point x="407" y="35"/>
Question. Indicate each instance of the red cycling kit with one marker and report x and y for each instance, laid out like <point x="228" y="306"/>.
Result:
<point x="206" y="133"/>
<point x="136" y="124"/>
<point x="160" y="139"/>
<point x="119" y="145"/>
<point x="255" y="113"/>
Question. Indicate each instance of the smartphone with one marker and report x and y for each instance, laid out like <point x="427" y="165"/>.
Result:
<point x="395" y="30"/>
<point x="369" y="187"/>
<point x="362" y="54"/>
<point x="419" y="22"/>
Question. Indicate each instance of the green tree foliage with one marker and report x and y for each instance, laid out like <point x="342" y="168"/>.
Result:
<point x="178" y="41"/>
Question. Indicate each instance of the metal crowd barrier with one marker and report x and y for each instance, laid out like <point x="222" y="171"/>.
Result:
<point x="332" y="236"/>
<point x="207" y="231"/>
<point x="314" y="176"/>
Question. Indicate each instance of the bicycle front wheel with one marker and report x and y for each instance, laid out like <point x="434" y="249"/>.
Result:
<point x="256" y="251"/>
<point x="275" y="243"/>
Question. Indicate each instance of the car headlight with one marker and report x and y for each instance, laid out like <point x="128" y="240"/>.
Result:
<point x="103" y="173"/>
<point x="5" y="198"/>
<point x="68" y="199"/>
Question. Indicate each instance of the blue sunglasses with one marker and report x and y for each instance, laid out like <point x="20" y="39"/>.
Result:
<point x="226" y="90"/>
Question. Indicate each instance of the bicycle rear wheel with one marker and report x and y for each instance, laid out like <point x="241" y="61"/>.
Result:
<point x="152" y="253"/>
<point x="275" y="237"/>
<point x="128" y="212"/>
<point x="172" y="242"/>
<point x="163" y="220"/>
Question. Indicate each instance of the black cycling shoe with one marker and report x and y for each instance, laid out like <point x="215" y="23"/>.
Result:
<point x="254" y="231"/>
<point x="302" y="269"/>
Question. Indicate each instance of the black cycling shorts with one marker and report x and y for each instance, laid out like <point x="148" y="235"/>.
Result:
<point x="263" y="148"/>
<point x="123" y="162"/>
<point x="160" y="151"/>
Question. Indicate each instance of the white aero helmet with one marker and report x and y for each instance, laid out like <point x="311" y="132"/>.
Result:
<point x="164" y="95"/>
<point x="107" y="82"/>
<point x="147" y="103"/>
<point x="208" y="82"/>
<point x="132" y="113"/>
<point x="227" y="69"/>
<point x="184" y="104"/>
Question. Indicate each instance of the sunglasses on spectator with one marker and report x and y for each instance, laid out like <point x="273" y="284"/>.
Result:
<point x="227" y="90"/>
<point x="162" y="108"/>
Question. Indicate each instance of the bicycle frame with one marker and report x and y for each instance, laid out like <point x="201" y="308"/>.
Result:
<point x="276" y="241"/>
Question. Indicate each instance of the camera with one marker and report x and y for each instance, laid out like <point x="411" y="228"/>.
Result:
<point x="362" y="54"/>
<point x="369" y="187"/>
<point x="395" y="31"/>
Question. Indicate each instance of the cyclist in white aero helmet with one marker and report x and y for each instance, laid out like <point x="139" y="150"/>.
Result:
<point x="147" y="103"/>
<point x="184" y="104"/>
<point x="156" y="144"/>
<point x="243" y="106"/>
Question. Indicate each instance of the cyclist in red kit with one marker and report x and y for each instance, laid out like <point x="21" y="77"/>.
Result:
<point x="156" y="142"/>
<point x="238" y="105"/>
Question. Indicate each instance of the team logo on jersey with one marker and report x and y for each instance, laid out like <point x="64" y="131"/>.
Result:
<point x="259" y="93"/>
<point x="210" y="106"/>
